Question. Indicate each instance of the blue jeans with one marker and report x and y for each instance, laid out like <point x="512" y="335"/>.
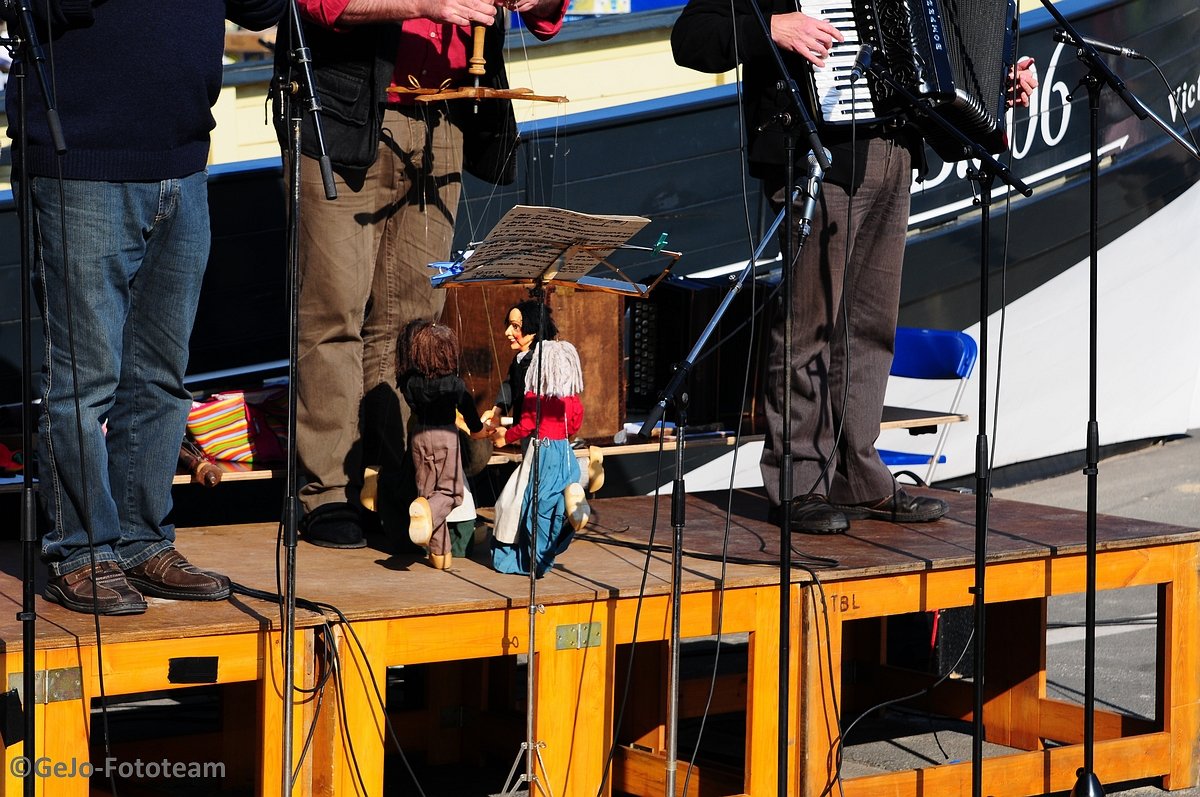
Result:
<point x="119" y="270"/>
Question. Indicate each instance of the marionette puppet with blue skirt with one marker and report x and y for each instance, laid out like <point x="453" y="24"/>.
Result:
<point x="550" y="409"/>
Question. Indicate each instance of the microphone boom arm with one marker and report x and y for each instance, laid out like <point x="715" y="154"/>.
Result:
<point x="683" y="369"/>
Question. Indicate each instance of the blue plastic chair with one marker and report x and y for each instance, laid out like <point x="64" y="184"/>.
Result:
<point x="932" y="354"/>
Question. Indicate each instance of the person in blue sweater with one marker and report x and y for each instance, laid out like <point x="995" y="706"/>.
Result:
<point x="121" y="242"/>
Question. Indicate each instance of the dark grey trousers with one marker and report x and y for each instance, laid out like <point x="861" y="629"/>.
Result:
<point x="843" y="334"/>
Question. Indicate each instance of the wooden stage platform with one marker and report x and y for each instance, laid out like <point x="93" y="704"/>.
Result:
<point x="461" y="639"/>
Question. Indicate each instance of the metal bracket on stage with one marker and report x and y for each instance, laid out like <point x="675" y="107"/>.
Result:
<point x="51" y="686"/>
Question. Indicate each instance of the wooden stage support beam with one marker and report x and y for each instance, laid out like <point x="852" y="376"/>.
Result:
<point x="1017" y="711"/>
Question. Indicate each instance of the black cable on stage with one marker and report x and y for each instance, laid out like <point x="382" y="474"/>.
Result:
<point x="843" y="733"/>
<point x="319" y="692"/>
<point x="842" y="306"/>
<point x="85" y="486"/>
<point x="330" y="653"/>
<point x="724" y="556"/>
<point x="339" y="694"/>
<point x="1005" y="251"/>
<point x="816" y="561"/>
<point x="1170" y="90"/>
<point x="756" y="309"/>
<point x="320" y="607"/>
<point x="378" y="697"/>
<point x="840" y="742"/>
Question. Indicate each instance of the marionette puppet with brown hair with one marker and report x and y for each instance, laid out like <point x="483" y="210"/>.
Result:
<point x="427" y="375"/>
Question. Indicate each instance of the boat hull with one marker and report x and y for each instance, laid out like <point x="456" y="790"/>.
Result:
<point x="676" y="160"/>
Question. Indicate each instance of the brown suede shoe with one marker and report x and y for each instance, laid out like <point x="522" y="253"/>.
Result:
<point x="114" y="595"/>
<point x="168" y="575"/>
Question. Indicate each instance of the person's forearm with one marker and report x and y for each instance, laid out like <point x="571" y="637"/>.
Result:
<point x="456" y="12"/>
<point x="358" y="12"/>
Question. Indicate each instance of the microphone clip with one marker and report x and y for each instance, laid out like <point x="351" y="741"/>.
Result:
<point x="783" y="119"/>
<point x="811" y="190"/>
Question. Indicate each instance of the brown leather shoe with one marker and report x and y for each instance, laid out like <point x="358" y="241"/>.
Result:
<point x="168" y="574"/>
<point x="114" y="595"/>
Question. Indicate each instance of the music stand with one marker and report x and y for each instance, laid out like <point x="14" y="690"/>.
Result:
<point x="536" y="247"/>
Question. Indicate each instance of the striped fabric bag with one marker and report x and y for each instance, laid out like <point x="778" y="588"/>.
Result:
<point x="236" y="427"/>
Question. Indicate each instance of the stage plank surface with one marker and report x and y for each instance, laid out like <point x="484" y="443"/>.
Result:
<point x="233" y="644"/>
<point x="606" y="559"/>
<point x="403" y="612"/>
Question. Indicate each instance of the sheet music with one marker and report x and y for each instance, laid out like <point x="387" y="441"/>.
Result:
<point x="529" y="243"/>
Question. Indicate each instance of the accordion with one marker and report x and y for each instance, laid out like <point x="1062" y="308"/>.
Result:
<point x="953" y="55"/>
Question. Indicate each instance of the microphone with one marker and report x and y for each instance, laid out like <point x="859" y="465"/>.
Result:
<point x="862" y="62"/>
<point x="813" y="186"/>
<point x="815" y="172"/>
<point x="1104" y="47"/>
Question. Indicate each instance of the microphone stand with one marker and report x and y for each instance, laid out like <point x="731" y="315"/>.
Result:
<point x="531" y="748"/>
<point x="989" y="168"/>
<point x="791" y="251"/>
<point x="30" y="54"/>
<point x="819" y="157"/>
<point x="679" y="493"/>
<point x="1087" y="784"/>
<point x="302" y="88"/>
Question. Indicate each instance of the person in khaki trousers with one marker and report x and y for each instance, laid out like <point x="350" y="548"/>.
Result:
<point x="364" y="256"/>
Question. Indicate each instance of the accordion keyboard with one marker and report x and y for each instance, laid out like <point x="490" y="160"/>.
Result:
<point x="839" y="101"/>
